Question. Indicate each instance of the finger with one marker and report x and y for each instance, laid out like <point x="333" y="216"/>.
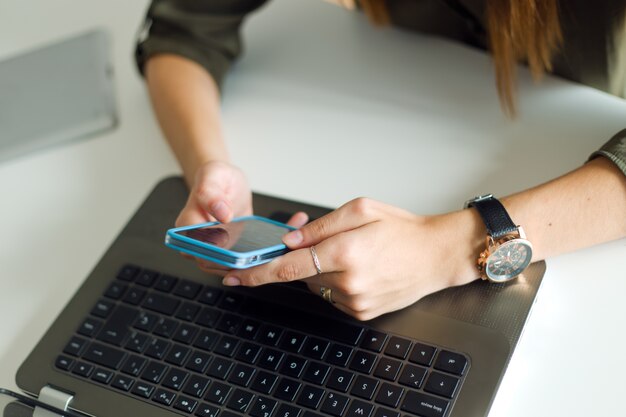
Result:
<point x="211" y="268"/>
<point x="211" y="198"/>
<point x="336" y="296"/>
<point x="350" y="216"/>
<point x="292" y="266"/>
<point x="298" y="220"/>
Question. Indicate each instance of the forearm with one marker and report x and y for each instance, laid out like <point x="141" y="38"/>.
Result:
<point x="186" y="102"/>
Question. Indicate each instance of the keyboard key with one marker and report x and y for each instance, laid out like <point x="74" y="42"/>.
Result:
<point x="424" y="405"/>
<point x="146" y="278"/>
<point x="364" y="387"/>
<point x="226" y="346"/>
<point x="262" y="407"/>
<point x="157" y="348"/>
<point x="231" y="301"/>
<point x="339" y="354"/>
<point x="240" y="400"/>
<point x="269" y="335"/>
<point x="134" y="296"/>
<point x="102" y="309"/>
<point x="228" y="413"/>
<point x="165" y="327"/>
<point x="117" y="327"/>
<point x="146" y="321"/>
<point x="185" y="333"/>
<point x="209" y="295"/>
<point x="340" y="380"/>
<point x="122" y="382"/>
<point x="128" y="272"/>
<point x="64" y="363"/>
<point x="335" y="404"/>
<point x="293" y="366"/>
<point x="389" y="395"/>
<point x="230" y="323"/>
<point x="441" y="384"/>
<point x="116" y="290"/>
<point x="264" y="382"/>
<point x="359" y="408"/>
<point x="206" y="410"/>
<point x="208" y="317"/>
<point x="185" y="404"/>
<point x="385" y="412"/>
<point x="387" y="369"/>
<point x="188" y="311"/>
<point x="248" y="352"/>
<point x="102" y="376"/>
<point x="241" y="375"/>
<point x="249" y="329"/>
<point x="315" y="348"/>
<point x="75" y="346"/>
<point x="198" y="361"/>
<point x="374" y="340"/>
<point x="134" y="365"/>
<point x="422" y="354"/>
<point x="137" y="342"/>
<point x="143" y="389"/>
<point x="177" y="355"/>
<point x="398" y="347"/>
<point x="154" y="372"/>
<point x="83" y="369"/>
<point x="286" y="389"/>
<point x="363" y="361"/>
<point x="311" y="397"/>
<point x="163" y="397"/>
<point x="412" y="376"/>
<point x="286" y="410"/>
<point x="219" y="368"/>
<point x="196" y="386"/>
<point x="206" y="340"/>
<point x="270" y="359"/>
<point x="165" y="283"/>
<point x="187" y="289"/>
<point x="175" y="379"/>
<point x="316" y="373"/>
<point x="451" y="362"/>
<point x="104" y="355"/>
<point x="292" y="341"/>
<point x="217" y="393"/>
<point x="160" y="303"/>
<point x="90" y="327"/>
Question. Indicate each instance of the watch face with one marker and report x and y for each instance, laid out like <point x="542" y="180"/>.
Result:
<point x="509" y="260"/>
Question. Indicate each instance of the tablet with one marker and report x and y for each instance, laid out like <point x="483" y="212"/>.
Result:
<point x="57" y="93"/>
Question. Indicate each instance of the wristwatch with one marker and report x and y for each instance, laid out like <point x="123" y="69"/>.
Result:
<point x="507" y="252"/>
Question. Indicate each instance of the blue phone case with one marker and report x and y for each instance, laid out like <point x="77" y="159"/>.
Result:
<point x="221" y="256"/>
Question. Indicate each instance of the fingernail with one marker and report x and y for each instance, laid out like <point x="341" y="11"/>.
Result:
<point x="220" y="210"/>
<point x="293" y="238"/>
<point x="231" y="281"/>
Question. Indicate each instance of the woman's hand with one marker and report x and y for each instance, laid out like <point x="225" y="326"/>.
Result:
<point x="220" y="192"/>
<point x="376" y="258"/>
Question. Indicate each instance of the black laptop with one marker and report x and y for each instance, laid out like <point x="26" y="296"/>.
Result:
<point x="148" y="334"/>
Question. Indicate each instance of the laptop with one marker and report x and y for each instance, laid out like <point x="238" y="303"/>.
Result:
<point x="55" y="94"/>
<point x="148" y="334"/>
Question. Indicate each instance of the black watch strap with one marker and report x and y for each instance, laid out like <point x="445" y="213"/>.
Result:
<point x="495" y="216"/>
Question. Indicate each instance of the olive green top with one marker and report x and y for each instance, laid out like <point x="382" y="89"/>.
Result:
<point x="593" y="50"/>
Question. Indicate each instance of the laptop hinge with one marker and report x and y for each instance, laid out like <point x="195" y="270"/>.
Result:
<point x="54" y="398"/>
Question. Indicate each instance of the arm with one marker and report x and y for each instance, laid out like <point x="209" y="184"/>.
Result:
<point x="378" y="258"/>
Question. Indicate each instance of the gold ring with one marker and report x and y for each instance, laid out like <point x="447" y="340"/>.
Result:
<point x="327" y="294"/>
<point x="316" y="261"/>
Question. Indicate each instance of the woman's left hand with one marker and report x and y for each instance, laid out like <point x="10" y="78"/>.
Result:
<point x="374" y="257"/>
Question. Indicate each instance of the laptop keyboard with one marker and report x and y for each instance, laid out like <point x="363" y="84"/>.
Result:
<point x="208" y="352"/>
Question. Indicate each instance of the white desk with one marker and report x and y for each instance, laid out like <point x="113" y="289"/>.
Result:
<point x="324" y="113"/>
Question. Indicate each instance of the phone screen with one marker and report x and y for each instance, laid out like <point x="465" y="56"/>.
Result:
<point x="239" y="236"/>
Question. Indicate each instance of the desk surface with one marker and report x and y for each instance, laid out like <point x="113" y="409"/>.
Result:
<point x="325" y="113"/>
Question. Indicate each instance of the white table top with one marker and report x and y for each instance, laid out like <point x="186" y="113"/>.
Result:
<point x="324" y="112"/>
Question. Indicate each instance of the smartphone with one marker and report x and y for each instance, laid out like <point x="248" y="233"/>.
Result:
<point x="243" y="243"/>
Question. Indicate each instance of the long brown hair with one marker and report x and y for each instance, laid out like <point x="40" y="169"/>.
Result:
<point x="519" y="31"/>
